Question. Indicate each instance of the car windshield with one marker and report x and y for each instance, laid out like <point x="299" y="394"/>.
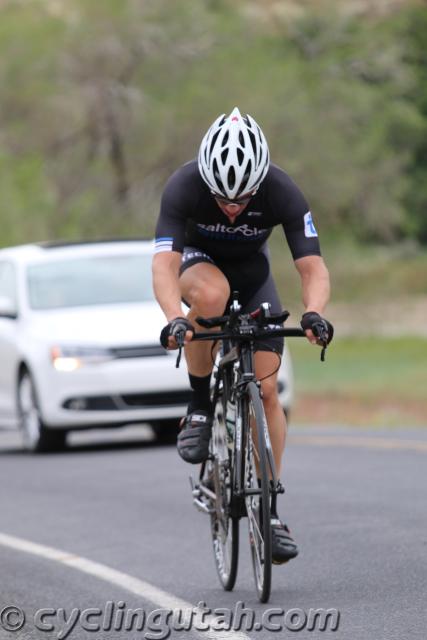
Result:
<point x="87" y="281"/>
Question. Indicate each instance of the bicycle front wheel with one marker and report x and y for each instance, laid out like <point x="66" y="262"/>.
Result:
<point x="257" y="489"/>
<point x="224" y="527"/>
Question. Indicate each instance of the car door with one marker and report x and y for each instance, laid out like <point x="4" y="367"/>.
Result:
<point x="8" y="341"/>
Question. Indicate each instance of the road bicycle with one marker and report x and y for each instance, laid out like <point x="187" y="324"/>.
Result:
<point x="239" y="478"/>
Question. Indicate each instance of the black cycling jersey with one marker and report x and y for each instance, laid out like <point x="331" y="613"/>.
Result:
<point x="190" y="216"/>
<point x="251" y="278"/>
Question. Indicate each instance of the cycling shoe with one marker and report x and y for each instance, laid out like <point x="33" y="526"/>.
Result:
<point x="193" y="439"/>
<point x="284" y="547"/>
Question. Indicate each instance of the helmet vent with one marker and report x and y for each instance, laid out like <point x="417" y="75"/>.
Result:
<point x="225" y="138"/>
<point x="214" y="138"/>
<point x="231" y="178"/>
<point x="217" y="176"/>
<point x="245" y="178"/>
<point x="253" y="141"/>
<point x="240" y="156"/>
<point x="241" y="139"/>
<point x="224" y="155"/>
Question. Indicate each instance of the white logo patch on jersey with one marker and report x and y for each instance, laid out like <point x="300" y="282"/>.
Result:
<point x="309" y="228"/>
<point x="244" y="231"/>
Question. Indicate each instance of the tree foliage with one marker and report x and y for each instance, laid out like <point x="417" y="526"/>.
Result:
<point x="101" y="101"/>
<point x="416" y="196"/>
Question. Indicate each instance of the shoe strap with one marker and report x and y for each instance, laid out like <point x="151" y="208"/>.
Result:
<point x="197" y="417"/>
<point x="276" y="522"/>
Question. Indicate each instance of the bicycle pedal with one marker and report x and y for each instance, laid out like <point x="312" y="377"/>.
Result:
<point x="202" y="506"/>
<point x="280" y="488"/>
<point x="195" y="487"/>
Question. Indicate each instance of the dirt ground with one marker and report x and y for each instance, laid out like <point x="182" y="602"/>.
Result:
<point x="405" y="316"/>
<point x="384" y="411"/>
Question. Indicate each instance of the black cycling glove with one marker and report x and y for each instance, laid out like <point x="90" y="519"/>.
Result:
<point x="174" y="327"/>
<point x="321" y="328"/>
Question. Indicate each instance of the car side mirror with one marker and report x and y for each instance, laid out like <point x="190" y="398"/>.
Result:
<point x="8" y="308"/>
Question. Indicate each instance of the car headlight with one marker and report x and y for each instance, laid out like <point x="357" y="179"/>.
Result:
<point x="72" y="358"/>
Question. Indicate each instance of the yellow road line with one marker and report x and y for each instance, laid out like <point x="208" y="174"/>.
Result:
<point x="359" y="441"/>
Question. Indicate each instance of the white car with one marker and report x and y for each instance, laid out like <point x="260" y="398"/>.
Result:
<point x="79" y="343"/>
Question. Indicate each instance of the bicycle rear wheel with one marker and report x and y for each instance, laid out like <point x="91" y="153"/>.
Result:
<point x="224" y="527"/>
<point x="257" y="490"/>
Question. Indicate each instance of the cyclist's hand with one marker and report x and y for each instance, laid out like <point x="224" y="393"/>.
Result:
<point x="317" y="329"/>
<point x="175" y="329"/>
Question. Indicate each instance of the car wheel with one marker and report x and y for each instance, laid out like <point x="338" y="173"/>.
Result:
<point x="36" y="437"/>
<point x="166" y="431"/>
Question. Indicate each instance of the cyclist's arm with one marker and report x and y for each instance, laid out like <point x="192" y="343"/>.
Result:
<point x="315" y="283"/>
<point x="315" y="286"/>
<point x="166" y="283"/>
<point x="294" y="213"/>
<point x="169" y="244"/>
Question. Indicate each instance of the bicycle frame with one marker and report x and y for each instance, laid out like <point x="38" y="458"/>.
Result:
<point x="244" y="355"/>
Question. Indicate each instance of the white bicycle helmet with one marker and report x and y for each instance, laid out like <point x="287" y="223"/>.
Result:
<point x="233" y="156"/>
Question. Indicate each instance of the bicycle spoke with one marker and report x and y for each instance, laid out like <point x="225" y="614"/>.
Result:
<point x="255" y="523"/>
<point x="256" y="531"/>
<point x="257" y="552"/>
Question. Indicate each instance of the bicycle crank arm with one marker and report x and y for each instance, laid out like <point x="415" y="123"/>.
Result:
<point x="199" y="492"/>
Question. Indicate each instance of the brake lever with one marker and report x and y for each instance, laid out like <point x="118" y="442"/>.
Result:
<point x="179" y="337"/>
<point x="319" y="332"/>
<point x="323" y="352"/>
<point x="325" y="343"/>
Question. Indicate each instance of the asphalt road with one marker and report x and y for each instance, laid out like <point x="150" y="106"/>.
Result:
<point x="356" y="503"/>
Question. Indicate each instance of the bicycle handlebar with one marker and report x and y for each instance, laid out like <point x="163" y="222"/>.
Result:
<point x="262" y="316"/>
<point x="289" y="332"/>
<point x="245" y="327"/>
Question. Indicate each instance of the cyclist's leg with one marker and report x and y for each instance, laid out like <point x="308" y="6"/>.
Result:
<point x="266" y="362"/>
<point x="206" y="291"/>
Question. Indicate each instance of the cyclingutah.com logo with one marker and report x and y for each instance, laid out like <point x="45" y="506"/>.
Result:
<point x="158" y="624"/>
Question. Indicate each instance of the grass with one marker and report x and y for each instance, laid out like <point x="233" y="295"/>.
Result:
<point x="374" y="381"/>
<point x="361" y="274"/>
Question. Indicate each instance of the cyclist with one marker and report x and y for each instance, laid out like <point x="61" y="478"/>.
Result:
<point x="211" y="239"/>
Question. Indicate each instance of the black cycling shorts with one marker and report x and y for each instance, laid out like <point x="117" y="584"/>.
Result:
<point x="251" y="278"/>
